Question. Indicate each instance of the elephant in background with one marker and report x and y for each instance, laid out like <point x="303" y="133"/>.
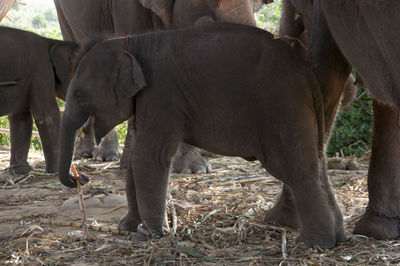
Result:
<point x="363" y="32"/>
<point x="81" y="20"/>
<point x="271" y="112"/>
<point x="33" y="71"/>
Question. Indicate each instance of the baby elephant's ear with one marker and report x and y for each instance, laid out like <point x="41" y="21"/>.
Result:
<point x="61" y="55"/>
<point x="130" y="79"/>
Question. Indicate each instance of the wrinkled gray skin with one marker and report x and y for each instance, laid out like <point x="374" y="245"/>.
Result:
<point x="33" y="71"/>
<point x="188" y="75"/>
<point x="364" y="32"/>
<point x="82" y="19"/>
<point x="372" y="33"/>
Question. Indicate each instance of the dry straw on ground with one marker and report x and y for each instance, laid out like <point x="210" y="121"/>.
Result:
<point x="217" y="218"/>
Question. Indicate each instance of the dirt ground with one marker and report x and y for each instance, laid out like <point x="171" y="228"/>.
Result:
<point x="217" y="218"/>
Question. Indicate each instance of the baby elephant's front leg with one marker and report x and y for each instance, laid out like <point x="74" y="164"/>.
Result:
<point x="151" y="160"/>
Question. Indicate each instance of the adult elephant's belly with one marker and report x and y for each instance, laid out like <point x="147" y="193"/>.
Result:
<point x="365" y="33"/>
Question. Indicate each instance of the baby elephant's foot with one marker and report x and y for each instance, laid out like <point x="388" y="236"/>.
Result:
<point x="143" y="234"/>
<point x="320" y="240"/>
<point x="20" y="169"/>
<point x="129" y="223"/>
<point x="378" y="227"/>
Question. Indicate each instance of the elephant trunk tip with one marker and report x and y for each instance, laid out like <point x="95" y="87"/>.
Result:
<point x="68" y="181"/>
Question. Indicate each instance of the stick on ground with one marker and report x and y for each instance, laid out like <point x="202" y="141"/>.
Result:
<point x="81" y="202"/>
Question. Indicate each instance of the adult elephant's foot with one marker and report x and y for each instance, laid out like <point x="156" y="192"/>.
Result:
<point x="19" y="169"/>
<point x="188" y="160"/>
<point x="197" y="166"/>
<point x="378" y="227"/>
<point x="102" y="154"/>
<point x="129" y="223"/>
<point x="284" y="212"/>
<point x="382" y="218"/>
<point x="108" y="149"/>
<point x="85" y="143"/>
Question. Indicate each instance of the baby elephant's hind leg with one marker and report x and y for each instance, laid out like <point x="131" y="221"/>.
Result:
<point x="296" y="161"/>
<point x="317" y="221"/>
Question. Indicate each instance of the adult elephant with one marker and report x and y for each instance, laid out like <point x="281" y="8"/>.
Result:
<point x="84" y="19"/>
<point x="364" y="33"/>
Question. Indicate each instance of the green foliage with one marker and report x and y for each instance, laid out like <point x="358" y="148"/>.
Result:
<point x="39" y="21"/>
<point x="268" y="17"/>
<point x="38" y="16"/>
<point x="352" y="131"/>
<point x="4" y="138"/>
<point x="122" y="130"/>
<point x="35" y="141"/>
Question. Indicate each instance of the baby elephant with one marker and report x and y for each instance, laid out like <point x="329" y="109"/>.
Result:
<point x="33" y="71"/>
<point x="229" y="89"/>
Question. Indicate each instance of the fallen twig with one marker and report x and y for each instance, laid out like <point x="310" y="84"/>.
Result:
<point x="89" y="227"/>
<point x="115" y="208"/>
<point x="284" y="247"/>
<point x="173" y="213"/>
<point x="241" y="179"/>
<point x="30" y="229"/>
<point x="81" y="202"/>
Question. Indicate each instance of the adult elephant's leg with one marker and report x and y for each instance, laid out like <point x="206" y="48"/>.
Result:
<point x="85" y="143"/>
<point x="108" y="148"/>
<point x="371" y="33"/>
<point x="85" y="146"/>
<point x="20" y="137"/>
<point x="382" y="218"/>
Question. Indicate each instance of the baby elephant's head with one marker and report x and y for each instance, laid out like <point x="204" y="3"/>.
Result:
<point x="104" y="85"/>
